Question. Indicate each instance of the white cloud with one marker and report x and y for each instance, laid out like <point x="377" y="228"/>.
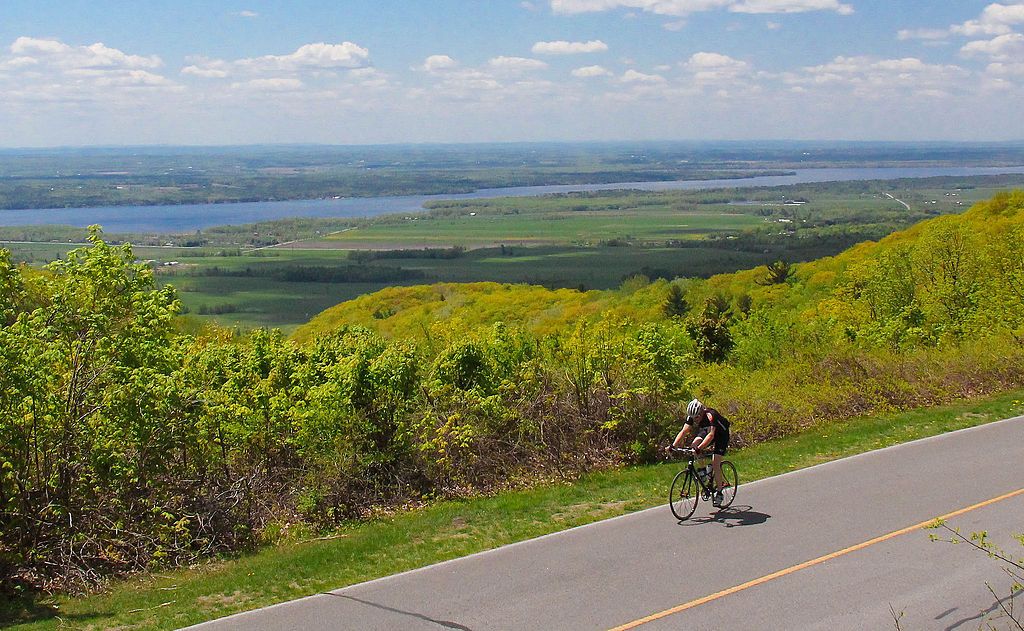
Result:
<point x="682" y="8"/>
<point x="715" y="69"/>
<point x="675" y="26"/>
<point x="62" y="55"/>
<point x="658" y="7"/>
<point x="874" y="78"/>
<point x="51" y="71"/>
<point x="1006" y="69"/>
<point x="1002" y="48"/>
<point x="704" y="61"/>
<point x="206" y="68"/>
<point x="207" y="72"/>
<point x="996" y="19"/>
<point x="772" y="26"/>
<point x="319" y="55"/>
<point x="632" y="76"/>
<point x="927" y="34"/>
<point x="516" y="64"/>
<point x="309" y="58"/>
<point x="790" y="6"/>
<point x="587" y="72"/>
<point x="125" y="78"/>
<point x="438" y="63"/>
<point x="246" y="13"/>
<point x="274" y="84"/>
<point x="562" y="47"/>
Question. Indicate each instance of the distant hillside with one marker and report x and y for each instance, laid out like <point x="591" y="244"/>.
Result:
<point x="949" y="276"/>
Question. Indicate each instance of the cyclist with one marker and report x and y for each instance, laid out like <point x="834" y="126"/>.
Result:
<point x="712" y="429"/>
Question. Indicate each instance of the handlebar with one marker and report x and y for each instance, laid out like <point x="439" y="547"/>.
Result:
<point x="688" y="451"/>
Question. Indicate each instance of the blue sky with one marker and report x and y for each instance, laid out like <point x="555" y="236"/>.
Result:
<point x="82" y="73"/>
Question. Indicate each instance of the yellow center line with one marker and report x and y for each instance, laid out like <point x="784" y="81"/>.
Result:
<point x="807" y="564"/>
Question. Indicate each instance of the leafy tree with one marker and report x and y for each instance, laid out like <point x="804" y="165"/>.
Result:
<point x="709" y="329"/>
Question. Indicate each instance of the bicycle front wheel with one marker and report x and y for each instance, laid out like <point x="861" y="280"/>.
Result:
<point x="682" y="499"/>
<point x="732" y="483"/>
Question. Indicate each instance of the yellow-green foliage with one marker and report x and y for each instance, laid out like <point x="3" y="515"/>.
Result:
<point x="948" y="278"/>
<point x="410" y="311"/>
<point x="110" y="417"/>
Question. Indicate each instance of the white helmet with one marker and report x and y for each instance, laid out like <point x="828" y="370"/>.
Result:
<point x="694" y="408"/>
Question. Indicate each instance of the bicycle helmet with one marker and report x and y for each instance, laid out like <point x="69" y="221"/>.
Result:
<point x="694" y="409"/>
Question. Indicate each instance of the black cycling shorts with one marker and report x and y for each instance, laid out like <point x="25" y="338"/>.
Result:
<point x="721" y="440"/>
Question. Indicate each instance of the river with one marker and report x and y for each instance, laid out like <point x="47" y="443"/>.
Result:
<point x="191" y="217"/>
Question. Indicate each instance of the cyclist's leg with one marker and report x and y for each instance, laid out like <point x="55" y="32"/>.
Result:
<point x="721" y="446"/>
<point x="716" y="466"/>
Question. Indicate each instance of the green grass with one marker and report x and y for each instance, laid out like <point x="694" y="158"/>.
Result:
<point x="456" y="528"/>
<point x="549" y="227"/>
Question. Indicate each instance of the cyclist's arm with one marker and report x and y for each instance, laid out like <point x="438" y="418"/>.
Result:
<point x="681" y="436"/>
<point x="709" y="439"/>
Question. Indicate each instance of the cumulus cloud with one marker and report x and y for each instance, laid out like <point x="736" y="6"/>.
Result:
<point x="715" y="68"/>
<point x="995" y="19"/>
<point x="681" y="8"/>
<point x="562" y="47"/>
<point x="871" y="77"/>
<point x="1002" y="48"/>
<point x="927" y="34"/>
<point x="98" y="55"/>
<point x="49" y="70"/>
<point x="658" y="7"/>
<point x="438" y="63"/>
<point x="632" y="76"/>
<point x="209" y="70"/>
<point x="273" y="84"/>
<point x="790" y="6"/>
<point x="1006" y="69"/>
<point x="319" y="56"/>
<point x="516" y="64"/>
<point x="587" y="72"/>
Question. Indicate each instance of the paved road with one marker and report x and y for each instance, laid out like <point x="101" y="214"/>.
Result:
<point x="622" y="570"/>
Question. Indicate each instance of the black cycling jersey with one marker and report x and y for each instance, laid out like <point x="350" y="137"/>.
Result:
<point x="716" y="419"/>
<point x="713" y="418"/>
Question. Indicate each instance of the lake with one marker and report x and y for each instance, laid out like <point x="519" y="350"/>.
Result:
<point x="191" y="217"/>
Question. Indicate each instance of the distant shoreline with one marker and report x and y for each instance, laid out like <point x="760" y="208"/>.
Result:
<point x="185" y="218"/>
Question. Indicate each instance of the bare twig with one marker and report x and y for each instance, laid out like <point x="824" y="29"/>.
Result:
<point x="896" y="617"/>
<point x="1009" y="614"/>
<point x="166" y="604"/>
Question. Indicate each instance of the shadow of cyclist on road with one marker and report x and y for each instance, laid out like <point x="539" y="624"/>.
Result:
<point x="732" y="517"/>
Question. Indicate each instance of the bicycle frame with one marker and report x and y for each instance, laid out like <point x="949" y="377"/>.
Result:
<point x="704" y="486"/>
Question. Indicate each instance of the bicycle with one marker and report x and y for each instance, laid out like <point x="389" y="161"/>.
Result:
<point x="693" y="483"/>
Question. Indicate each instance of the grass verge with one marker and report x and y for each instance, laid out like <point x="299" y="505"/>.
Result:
<point x="456" y="528"/>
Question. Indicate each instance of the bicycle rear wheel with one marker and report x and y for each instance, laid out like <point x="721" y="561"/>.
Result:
<point x="732" y="483"/>
<point x="682" y="499"/>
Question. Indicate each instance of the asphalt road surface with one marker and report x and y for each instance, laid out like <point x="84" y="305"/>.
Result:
<point x="855" y="520"/>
